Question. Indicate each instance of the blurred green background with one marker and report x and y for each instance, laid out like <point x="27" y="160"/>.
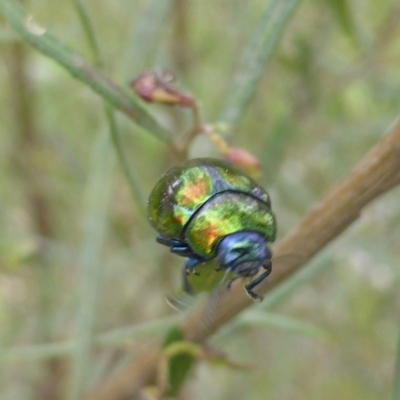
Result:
<point x="77" y="256"/>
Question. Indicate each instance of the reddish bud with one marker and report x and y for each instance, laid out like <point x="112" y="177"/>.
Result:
<point x="245" y="160"/>
<point x="238" y="156"/>
<point x="158" y="88"/>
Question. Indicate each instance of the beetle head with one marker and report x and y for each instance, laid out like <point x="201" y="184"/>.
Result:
<point x="243" y="253"/>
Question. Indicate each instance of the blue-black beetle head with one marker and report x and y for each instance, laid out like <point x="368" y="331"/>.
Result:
<point x="243" y="253"/>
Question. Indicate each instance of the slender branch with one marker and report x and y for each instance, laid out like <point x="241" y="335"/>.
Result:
<point x="180" y="44"/>
<point x="114" y="338"/>
<point x="377" y="173"/>
<point x="326" y="221"/>
<point x="94" y="237"/>
<point x="115" y="133"/>
<point x="91" y="261"/>
<point x="29" y="143"/>
<point x="143" y="40"/>
<point x="76" y="65"/>
<point x="255" y="58"/>
<point x="396" y="374"/>
<point x="90" y="32"/>
<point x="181" y="148"/>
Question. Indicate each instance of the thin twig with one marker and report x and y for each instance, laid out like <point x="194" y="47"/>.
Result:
<point x="79" y="68"/>
<point x="181" y="47"/>
<point x="29" y="142"/>
<point x="326" y="220"/>
<point x="377" y="173"/>
<point x="396" y="374"/>
<point x="93" y="239"/>
<point x="181" y="148"/>
<point x="115" y="338"/>
<point x="115" y="133"/>
<point x="256" y="56"/>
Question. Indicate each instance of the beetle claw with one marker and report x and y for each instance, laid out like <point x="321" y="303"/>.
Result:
<point x="254" y="296"/>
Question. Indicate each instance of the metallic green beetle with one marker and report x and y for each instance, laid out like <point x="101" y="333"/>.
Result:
<point x="209" y="209"/>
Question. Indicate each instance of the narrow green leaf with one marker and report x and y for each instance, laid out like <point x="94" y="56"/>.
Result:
<point x="116" y="136"/>
<point x="341" y="10"/>
<point x="396" y="374"/>
<point x="258" y="318"/>
<point x="256" y="57"/>
<point x="145" y="36"/>
<point x="114" y="338"/>
<point x="77" y="66"/>
<point x="180" y="365"/>
<point x="91" y="261"/>
<point x="288" y="288"/>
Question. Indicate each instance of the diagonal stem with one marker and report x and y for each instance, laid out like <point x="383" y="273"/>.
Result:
<point x="376" y="174"/>
<point x="79" y="68"/>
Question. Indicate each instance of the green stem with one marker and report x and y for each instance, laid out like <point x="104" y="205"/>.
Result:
<point x="90" y="32"/>
<point x="94" y="236"/>
<point x="114" y="338"/>
<point x="116" y="136"/>
<point x="91" y="262"/>
<point x="76" y="65"/>
<point x="130" y="174"/>
<point x="256" y="57"/>
<point x="396" y="376"/>
<point x="144" y="38"/>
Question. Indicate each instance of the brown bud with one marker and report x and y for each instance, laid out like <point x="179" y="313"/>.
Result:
<point x="158" y="88"/>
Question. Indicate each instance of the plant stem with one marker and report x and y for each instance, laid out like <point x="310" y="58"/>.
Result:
<point x="256" y="57"/>
<point x="115" y="133"/>
<point x="144" y="38"/>
<point x="114" y="338"/>
<point x="180" y="44"/>
<point x="94" y="236"/>
<point x="91" y="262"/>
<point x="396" y="374"/>
<point x="29" y="142"/>
<point x="75" y="64"/>
<point x="377" y="173"/>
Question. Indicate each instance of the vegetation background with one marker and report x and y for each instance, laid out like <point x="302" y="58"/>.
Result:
<point x="78" y="259"/>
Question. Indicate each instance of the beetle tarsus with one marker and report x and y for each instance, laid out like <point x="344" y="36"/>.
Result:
<point x="177" y="246"/>
<point x="167" y="242"/>
<point x="229" y="284"/>
<point x="185" y="283"/>
<point x="254" y="296"/>
<point x="191" y="264"/>
<point x="249" y="287"/>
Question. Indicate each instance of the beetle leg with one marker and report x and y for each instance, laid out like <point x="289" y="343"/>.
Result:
<point x="268" y="266"/>
<point x="176" y="246"/>
<point x="182" y="250"/>
<point x="190" y="265"/>
<point x="168" y="242"/>
<point x="185" y="283"/>
<point x="229" y="284"/>
<point x="249" y="287"/>
<point x="189" y="268"/>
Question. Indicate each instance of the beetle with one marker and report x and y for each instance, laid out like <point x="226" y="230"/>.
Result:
<point x="208" y="209"/>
